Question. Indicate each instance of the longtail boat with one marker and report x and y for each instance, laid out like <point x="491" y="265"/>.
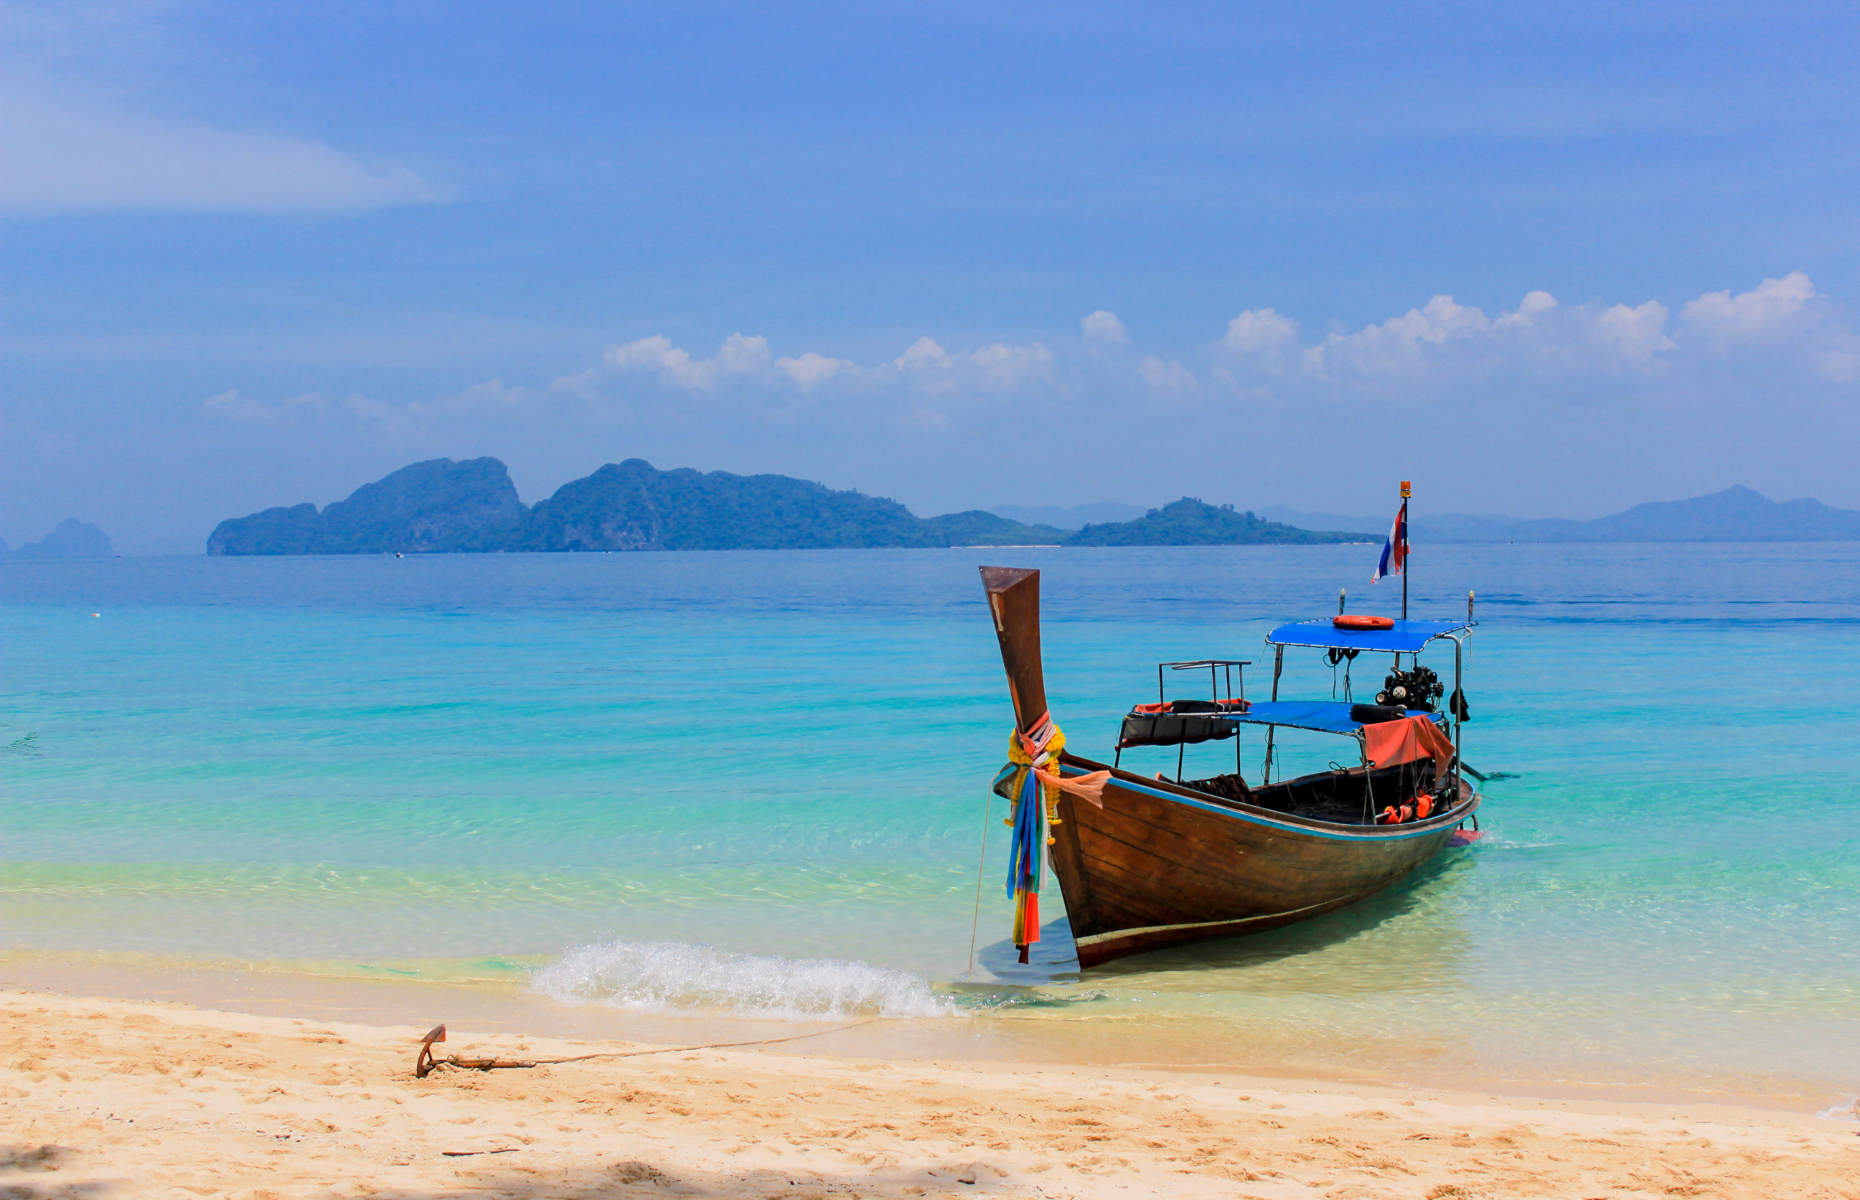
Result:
<point x="1147" y="862"/>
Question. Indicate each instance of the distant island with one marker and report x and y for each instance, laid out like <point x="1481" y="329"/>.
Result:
<point x="71" y="539"/>
<point x="1189" y="522"/>
<point x="442" y="506"/>
<point x="1736" y="514"/>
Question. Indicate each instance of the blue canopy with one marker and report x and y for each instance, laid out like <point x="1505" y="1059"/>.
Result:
<point x="1406" y="637"/>
<point x="1325" y="716"/>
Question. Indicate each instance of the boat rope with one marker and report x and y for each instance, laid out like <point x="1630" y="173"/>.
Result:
<point x="981" y="865"/>
<point x="1338" y="656"/>
<point x="426" y="1063"/>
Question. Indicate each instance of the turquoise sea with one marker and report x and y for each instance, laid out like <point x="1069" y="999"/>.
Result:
<point x="754" y="784"/>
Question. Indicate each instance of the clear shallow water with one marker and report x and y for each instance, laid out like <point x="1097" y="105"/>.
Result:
<point x="755" y="782"/>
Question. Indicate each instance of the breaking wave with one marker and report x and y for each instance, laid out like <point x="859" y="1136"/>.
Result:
<point x="676" y="977"/>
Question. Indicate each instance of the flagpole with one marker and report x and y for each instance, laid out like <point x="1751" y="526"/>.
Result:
<point x="1406" y="491"/>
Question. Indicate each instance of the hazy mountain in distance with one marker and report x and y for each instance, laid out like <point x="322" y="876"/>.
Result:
<point x="1307" y="519"/>
<point x="1191" y="522"/>
<point x="1736" y="514"/>
<point x="1070" y="516"/>
<point x="71" y="539"/>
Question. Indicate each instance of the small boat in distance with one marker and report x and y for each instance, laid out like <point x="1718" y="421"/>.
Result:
<point x="1147" y="862"/>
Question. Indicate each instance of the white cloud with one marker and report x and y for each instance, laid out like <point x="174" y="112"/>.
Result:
<point x="743" y="355"/>
<point x="1444" y="356"/>
<point x="1103" y="326"/>
<point x="234" y="405"/>
<point x="747" y="360"/>
<point x="63" y="155"/>
<point x="1004" y="366"/>
<point x="1637" y="333"/>
<point x="1259" y="355"/>
<point x="810" y="370"/>
<point x="923" y="355"/>
<point x="1399" y="343"/>
<point x="739" y="355"/>
<point x="1444" y="338"/>
<point x="1441" y="319"/>
<point x="1773" y="306"/>
<point x="490" y="396"/>
<point x="997" y="367"/>
<point x="1166" y="375"/>
<point x="1259" y="331"/>
<point x="656" y="353"/>
<point x="1533" y="306"/>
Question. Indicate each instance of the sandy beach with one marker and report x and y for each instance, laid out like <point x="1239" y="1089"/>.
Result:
<point x="109" y="1098"/>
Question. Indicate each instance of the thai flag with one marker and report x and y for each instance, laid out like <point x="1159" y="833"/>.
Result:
<point x="1395" y="550"/>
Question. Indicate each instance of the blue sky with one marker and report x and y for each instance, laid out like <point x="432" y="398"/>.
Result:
<point x="1551" y="262"/>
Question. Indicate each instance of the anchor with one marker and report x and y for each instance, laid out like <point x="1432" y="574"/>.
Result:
<point x="425" y="1064"/>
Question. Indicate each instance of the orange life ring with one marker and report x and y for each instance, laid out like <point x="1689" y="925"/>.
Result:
<point x="1359" y="621"/>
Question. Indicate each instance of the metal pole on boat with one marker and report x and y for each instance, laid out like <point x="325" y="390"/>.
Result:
<point x="1459" y="684"/>
<point x="1406" y="491"/>
<point x="1240" y="695"/>
<point x="1278" y="666"/>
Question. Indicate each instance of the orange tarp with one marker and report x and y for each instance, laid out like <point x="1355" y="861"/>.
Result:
<point x="1387" y="743"/>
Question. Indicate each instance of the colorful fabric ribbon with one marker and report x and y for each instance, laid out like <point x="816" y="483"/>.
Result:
<point x="1033" y="757"/>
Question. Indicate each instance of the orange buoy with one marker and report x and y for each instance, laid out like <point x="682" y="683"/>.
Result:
<point x="1359" y="621"/>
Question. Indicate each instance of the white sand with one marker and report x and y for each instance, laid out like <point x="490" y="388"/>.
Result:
<point x="109" y="1098"/>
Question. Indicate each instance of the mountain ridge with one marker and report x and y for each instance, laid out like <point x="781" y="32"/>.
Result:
<point x="443" y="506"/>
<point x="1193" y="522"/>
<point x="440" y="506"/>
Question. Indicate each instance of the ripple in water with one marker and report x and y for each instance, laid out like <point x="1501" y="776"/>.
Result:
<point x="675" y="976"/>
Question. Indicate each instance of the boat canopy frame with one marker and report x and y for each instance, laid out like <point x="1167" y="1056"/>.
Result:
<point x="1319" y="716"/>
<point x="1401" y="637"/>
<point x="1231" y="671"/>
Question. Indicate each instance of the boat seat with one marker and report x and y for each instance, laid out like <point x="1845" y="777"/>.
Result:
<point x="1143" y="729"/>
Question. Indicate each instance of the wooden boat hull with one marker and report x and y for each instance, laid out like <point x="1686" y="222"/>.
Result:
<point x="1160" y="864"/>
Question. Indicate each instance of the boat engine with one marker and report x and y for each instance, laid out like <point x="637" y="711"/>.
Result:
<point x="1416" y="688"/>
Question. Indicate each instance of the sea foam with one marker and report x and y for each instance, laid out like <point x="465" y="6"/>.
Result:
<point x="675" y="976"/>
